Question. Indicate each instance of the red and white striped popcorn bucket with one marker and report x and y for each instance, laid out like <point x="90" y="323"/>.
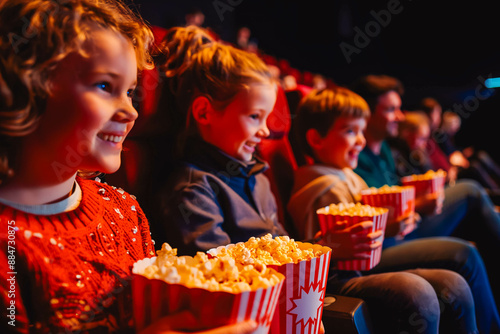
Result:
<point x="427" y="185"/>
<point x="300" y="305"/>
<point x="154" y="298"/>
<point x="330" y="223"/>
<point x="400" y="202"/>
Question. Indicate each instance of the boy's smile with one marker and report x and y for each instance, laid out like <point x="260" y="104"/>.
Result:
<point x="342" y="144"/>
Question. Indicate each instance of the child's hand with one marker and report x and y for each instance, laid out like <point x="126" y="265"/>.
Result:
<point x="396" y="228"/>
<point x="351" y="242"/>
<point x="185" y="322"/>
<point x="430" y="204"/>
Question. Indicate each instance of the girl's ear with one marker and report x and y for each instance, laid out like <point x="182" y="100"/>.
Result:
<point x="314" y="139"/>
<point x="202" y="110"/>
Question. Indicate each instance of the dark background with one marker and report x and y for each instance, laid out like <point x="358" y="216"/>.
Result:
<point x="443" y="49"/>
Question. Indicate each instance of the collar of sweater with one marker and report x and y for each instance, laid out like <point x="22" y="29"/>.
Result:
<point x="91" y="208"/>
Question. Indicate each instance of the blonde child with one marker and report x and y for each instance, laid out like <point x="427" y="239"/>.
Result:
<point x="218" y="193"/>
<point x="67" y="73"/>
<point x="330" y="127"/>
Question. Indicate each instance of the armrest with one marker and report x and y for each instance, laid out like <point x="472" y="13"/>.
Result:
<point x="346" y="315"/>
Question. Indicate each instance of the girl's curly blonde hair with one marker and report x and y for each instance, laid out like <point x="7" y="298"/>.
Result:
<point x="35" y="35"/>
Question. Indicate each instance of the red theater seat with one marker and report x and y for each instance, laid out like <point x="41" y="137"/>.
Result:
<point x="276" y="150"/>
<point x="146" y="94"/>
<point x="293" y="98"/>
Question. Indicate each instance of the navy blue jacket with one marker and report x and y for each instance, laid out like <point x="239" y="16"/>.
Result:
<point x="212" y="199"/>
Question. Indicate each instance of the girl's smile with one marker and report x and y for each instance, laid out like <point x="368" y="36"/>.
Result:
<point x="240" y="127"/>
<point x="90" y="112"/>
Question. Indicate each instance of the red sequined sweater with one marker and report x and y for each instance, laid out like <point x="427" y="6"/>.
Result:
<point x="71" y="271"/>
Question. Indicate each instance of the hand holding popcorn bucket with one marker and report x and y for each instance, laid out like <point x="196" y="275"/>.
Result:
<point x="334" y="217"/>
<point x="400" y="201"/>
<point x="428" y="183"/>
<point x="216" y="291"/>
<point x="305" y="266"/>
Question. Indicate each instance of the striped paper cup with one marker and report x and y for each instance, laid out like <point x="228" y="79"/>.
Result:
<point x="154" y="298"/>
<point x="426" y="183"/>
<point x="300" y="305"/>
<point x="400" y="201"/>
<point x="330" y="223"/>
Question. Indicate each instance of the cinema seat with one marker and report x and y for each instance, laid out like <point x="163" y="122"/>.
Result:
<point x="276" y="150"/>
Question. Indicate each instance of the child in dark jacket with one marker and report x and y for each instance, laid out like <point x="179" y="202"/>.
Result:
<point x="218" y="193"/>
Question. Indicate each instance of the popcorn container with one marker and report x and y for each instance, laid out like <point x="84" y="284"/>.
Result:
<point x="330" y="223"/>
<point x="428" y="183"/>
<point x="155" y="298"/>
<point x="300" y="305"/>
<point x="400" y="201"/>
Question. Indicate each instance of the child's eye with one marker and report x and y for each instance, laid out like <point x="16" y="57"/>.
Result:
<point x="130" y="93"/>
<point x="105" y="86"/>
<point x="254" y="116"/>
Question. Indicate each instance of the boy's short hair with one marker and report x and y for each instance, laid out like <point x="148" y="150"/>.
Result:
<point x="35" y="36"/>
<point x="321" y="108"/>
<point x="370" y="87"/>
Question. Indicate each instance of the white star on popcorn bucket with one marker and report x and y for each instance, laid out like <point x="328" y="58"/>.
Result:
<point x="305" y="269"/>
<point x="300" y="305"/>
<point x="306" y="308"/>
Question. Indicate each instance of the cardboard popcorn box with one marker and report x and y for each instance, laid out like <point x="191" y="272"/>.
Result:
<point x="331" y="216"/>
<point x="300" y="305"/>
<point x="428" y="183"/>
<point x="305" y="267"/>
<point x="213" y="304"/>
<point x="400" y="201"/>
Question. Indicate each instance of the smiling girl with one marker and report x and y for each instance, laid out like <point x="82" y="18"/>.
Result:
<point x="67" y="73"/>
<point x="218" y="193"/>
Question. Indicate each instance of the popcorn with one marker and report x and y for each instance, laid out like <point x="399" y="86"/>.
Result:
<point x="399" y="200"/>
<point x="216" y="290"/>
<point x="267" y="251"/>
<point x="430" y="174"/>
<point x="333" y="218"/>
<point x="428" y="183"/>
<point x="351" y="209"/>
<point x="385" y="189"/>
<point x="305" y="266"/>
<point x="215" y="274"/>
